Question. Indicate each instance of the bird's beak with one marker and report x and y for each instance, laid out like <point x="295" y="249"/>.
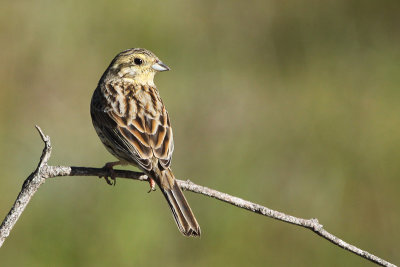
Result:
<point x="159" y="66"/>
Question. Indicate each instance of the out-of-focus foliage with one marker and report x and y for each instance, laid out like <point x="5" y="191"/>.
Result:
<point x="292" y="104"/>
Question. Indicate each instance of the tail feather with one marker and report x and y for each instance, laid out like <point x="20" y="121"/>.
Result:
<point x="183" y="215"/>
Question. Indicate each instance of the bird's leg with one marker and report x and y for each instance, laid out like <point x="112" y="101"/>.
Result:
<point x="152" y="185"/>
<point x="111" y="174"/>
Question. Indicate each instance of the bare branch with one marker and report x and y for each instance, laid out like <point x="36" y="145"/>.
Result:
<point x="44" y="171"/>
<point x="29" y="188"/>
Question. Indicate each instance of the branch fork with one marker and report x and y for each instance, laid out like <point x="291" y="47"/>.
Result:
<point x="44" y="171"/>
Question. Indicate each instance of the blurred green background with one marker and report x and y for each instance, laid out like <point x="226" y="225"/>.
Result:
<point x="290" y="104"/>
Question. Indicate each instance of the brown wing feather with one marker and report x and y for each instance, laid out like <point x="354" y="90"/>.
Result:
<point x="147" y="132"/>
<point x="114" y="140"/>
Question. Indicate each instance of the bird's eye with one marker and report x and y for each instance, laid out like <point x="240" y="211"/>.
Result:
<point x="138" y="61"/>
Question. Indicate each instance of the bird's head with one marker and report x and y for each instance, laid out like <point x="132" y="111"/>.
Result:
<point x="138" y="65"/>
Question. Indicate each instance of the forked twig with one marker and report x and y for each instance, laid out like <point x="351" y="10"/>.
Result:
<point x="44" y="171"/>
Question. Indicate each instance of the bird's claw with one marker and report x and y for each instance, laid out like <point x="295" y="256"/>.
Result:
<point x="110" y="174"/>
<point x="152" y="185"/>
<point x="108" y="181"/>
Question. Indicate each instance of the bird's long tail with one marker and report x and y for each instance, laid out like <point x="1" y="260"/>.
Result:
<point x="183" y="215"/>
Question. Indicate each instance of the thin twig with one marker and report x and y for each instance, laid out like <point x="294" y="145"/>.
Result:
<point x="44" y="171"/>
<point x="29" y="188"/>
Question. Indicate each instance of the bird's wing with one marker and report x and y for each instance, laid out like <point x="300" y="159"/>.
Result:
<point x="141" y="127"/>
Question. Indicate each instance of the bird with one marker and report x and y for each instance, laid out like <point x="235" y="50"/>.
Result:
<point x="132" y="122"/>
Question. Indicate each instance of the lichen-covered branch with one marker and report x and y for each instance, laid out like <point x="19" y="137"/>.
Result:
<point x="44" y="171"/>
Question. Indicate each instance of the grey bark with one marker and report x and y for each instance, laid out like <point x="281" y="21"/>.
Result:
<point x="44" y="171"/>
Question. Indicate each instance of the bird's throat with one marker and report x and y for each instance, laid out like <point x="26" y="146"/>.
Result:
<point x="140" y="79"/>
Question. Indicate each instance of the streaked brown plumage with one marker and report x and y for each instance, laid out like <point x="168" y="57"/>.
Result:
<point x="133" y="124"/>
